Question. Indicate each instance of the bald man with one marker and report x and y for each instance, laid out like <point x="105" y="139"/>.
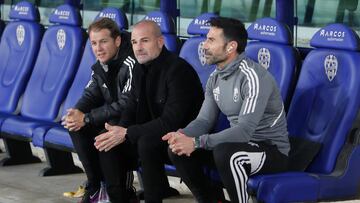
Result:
<point x="166" y="95"/>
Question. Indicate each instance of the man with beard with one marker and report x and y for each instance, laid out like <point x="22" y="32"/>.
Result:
<point x="257" y="140"/>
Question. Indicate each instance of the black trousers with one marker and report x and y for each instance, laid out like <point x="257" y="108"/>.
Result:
<point x="114" y="167"/>
<point x="235" y="162"/>
<point x="152" y="152"/>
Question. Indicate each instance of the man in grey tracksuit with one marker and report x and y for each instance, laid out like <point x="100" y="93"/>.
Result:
<point x="257" y="140"/>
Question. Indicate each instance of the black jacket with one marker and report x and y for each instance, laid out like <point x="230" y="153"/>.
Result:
<point x="167" y="95"/>
<point x="105" y="96"/>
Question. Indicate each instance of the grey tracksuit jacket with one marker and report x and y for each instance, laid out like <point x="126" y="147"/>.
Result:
<point x="248" y="95"/>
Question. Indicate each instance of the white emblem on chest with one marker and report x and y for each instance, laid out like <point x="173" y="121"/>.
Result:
<point x="236" y="94"/>
<point x="216" y="93"/>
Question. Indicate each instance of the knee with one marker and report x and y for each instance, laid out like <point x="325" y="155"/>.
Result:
<point x="148" y="146"/>
<point x="221" y="154"/>
<point x="74" y="133"/>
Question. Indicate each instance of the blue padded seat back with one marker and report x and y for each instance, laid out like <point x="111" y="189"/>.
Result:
<point x="192" y="50"/>
<point x="116" y="15"/>
<point x="19" y="48"/>
<point x="327" y="95"/>
<point x="66" y="15"/>
<point x="24" y="11"/>
<point x="82" y="78"/>
<point x="272" y="48"/>
<point x="167" y="26"/>
<point x="55" y="66"/>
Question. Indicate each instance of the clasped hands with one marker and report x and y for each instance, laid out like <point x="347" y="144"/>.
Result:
<point x="115" y="135"/>
<point x="179" y="143"/>
<point x="73" y="120"/>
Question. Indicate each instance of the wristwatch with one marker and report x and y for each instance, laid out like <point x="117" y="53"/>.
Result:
<point x="87" y="119"/>
<point x="197" y="142"/>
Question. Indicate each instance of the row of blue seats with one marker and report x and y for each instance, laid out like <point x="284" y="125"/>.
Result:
<point x="36" y="74"/>
<point x="322" y="110"/>
<point x="48" y="75"/>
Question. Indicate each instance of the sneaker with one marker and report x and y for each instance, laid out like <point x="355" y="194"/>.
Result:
<point x="75" y="194"/>
<point x="132" y="196"/>
<point x="90" y="196"/>
<point x="171" y="192"/>
<point x="79" y="192"/>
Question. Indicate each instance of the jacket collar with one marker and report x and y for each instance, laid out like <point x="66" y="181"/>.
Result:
<point x="158" y="61"/>
<point x="230" y="68"/>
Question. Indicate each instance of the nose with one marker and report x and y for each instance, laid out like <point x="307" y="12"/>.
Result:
<point x="205" y="45"/>
<point x="99" y="47"/>
<point x="137" y="47"/>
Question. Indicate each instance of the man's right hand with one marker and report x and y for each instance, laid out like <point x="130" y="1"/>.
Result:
<point x="179" y="143"/>
<point x="73" y="120"/>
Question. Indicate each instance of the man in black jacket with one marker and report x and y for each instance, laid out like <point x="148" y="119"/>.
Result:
<point x="166" y="96"/>
<point x="103" y="101"/>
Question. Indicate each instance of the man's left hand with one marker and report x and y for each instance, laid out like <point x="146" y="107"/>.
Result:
<point x="113" y="137"/>
<point x="180" y="143"/>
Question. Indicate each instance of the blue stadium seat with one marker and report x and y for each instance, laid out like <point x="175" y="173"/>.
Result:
<point x="54" y="70"/>
<point x="272" y="48"/>
<point x="57" y="143"/>
<point x="192" y="50"/>
<point x="167" y="26"/>
<point x="116" y="15"/>
<point x="18" y="51"/>
<point x="325" y="151"/>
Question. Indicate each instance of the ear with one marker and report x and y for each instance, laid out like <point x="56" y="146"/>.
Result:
<point x="231" y="46"/>
<point x="161" y="41"/>
<point x="118" y="41"/>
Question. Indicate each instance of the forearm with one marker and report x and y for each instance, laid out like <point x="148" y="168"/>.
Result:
<point x="239" y="133"/>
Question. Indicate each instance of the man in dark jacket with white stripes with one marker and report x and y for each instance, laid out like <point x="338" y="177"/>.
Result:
<point x="167" y="95"/>
<point x="103" y="100"/>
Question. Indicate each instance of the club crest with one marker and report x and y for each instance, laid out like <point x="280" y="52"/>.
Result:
<point x="264" y="57"/>
<point x="201" y="53"/>
<point x="20" y="34"/>
<point x="331" y="65"/>
<point x="236" y="95"/>
<point x="61" y="38"/>
<point x="216" y="93"/>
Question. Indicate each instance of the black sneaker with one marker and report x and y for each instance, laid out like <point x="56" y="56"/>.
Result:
<point x="171" y="192"/>
<point x="132" y="195"/>
<point x="90" y="196"/>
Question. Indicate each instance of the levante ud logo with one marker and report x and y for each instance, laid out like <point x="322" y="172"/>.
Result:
<point x="61" y="38"/>
<point x="201" y="53"/>
<point x="20" y="34"/>
<point x="331" y="66"/>
<point x="264" y="57"/>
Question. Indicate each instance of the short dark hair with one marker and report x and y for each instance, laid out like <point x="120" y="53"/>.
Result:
<point x="233" y="29"/>
<point x="105" y="23"/>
